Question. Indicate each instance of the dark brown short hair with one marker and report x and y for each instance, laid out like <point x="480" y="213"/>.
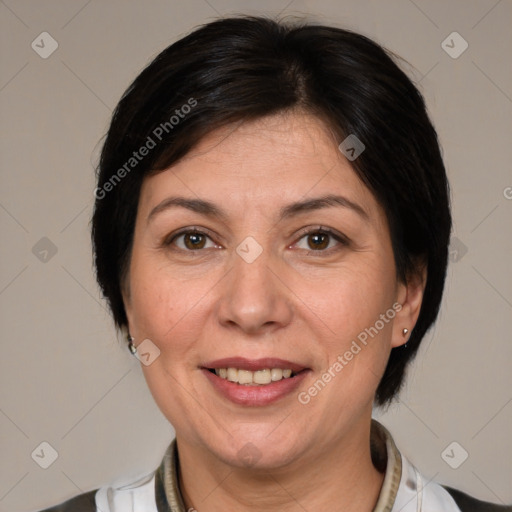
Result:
<point x="244" y="68"/>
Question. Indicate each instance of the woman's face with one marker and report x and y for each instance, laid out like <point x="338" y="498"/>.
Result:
<point x="262" y="251"/>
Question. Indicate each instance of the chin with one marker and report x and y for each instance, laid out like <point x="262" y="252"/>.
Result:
<point x="259" y="451"/>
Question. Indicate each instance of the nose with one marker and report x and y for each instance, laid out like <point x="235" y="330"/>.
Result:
<point x="254" y="297"/>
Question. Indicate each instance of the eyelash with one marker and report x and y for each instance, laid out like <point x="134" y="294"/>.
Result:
<point x="342" y="240"/>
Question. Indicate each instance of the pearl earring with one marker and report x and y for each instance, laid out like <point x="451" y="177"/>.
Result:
<point x="405" y="332"/>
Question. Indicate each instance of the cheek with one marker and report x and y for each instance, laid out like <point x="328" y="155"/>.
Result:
<point x="168" y="311"/>
<point x="353" y="309"/>
<point x="170" y="308"/>
<point x="157" y="302"/>
<point x="349" y="299"/>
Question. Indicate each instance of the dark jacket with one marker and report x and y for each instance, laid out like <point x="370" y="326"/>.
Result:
<point x="85" y="503"/>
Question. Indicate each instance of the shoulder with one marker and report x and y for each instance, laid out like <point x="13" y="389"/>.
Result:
<point x="139" y="495"/>
<point x="83" y="503"/>
<point x="416" y="492"/>
<point x="467" y="503"/>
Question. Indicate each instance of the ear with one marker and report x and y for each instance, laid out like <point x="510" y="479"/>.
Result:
<point x="410" y="297"/>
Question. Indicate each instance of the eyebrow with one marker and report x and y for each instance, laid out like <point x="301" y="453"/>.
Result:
<point x="209" y="209"/>
<point x="319" y="203"/>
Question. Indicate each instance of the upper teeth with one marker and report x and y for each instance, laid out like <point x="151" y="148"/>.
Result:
<point x="258" y="377"/>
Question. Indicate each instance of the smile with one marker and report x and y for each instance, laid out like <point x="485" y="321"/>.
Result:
<point x="256" y="378"/>
<point x="254" y="382"/>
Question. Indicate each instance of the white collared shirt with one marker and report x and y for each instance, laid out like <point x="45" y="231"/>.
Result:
<point x="415" y="494"/>
<point x="404" y="489"/>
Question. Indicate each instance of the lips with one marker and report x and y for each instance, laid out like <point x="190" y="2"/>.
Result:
<point x="248" y="392"/>
<point x="241" y="363"/>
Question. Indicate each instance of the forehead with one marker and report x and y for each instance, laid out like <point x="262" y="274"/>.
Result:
<point x="277" y="159"/>
<point x="268" y="145"/>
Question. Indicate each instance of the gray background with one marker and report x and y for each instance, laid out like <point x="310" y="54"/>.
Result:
<point x="65" y="378"/>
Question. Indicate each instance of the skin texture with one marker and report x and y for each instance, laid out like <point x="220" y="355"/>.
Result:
<point x="293" y="302"/>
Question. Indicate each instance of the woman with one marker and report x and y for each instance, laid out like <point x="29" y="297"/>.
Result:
<point x="271" y="230"/>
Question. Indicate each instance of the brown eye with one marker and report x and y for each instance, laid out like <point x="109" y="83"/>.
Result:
<point x="323" y="241"/>
<point x="318" y="241"/>
<point x="191" y="241"/>
<point x="194" y="240"/>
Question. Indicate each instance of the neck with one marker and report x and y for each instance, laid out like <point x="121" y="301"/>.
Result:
<point x="341" y="476"/>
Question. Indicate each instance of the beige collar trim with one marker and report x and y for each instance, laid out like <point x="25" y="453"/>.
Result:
<point x="383" y="446"/>
<point x="384" y="454"/>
